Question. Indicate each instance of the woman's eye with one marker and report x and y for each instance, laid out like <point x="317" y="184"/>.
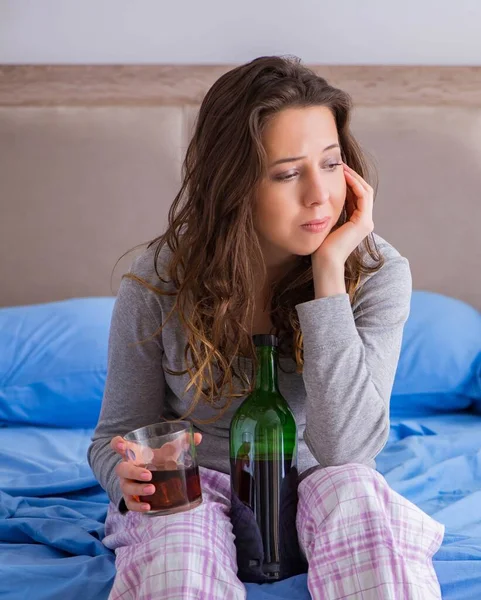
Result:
<point x="285" y="177"/>
<point x="328" y="167"/>
<point x="332" y="166"/>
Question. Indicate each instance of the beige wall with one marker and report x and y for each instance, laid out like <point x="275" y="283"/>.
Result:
<point x="81" y="185"/>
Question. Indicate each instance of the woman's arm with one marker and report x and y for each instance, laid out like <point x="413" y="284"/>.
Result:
<point x="135" y="385"/>
<point x="350" y="362"/>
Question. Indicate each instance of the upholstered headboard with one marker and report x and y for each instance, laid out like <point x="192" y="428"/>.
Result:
<point x="90" y="162"/>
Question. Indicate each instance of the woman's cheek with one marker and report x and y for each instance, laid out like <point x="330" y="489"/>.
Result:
<point x="341" y="194"/>
<point x="342" y="189"/>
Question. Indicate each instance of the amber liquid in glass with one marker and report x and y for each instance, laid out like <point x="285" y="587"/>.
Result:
<point x="174" y="490"/>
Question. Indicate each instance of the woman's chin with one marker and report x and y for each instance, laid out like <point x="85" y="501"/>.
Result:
<point x="309" y="246"/>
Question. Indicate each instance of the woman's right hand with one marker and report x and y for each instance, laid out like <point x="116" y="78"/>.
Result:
<point x="131" y="476"/>
<point x="134" y="479"/>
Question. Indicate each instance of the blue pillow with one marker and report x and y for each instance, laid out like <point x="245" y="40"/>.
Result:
<point x="53" y="362"/>
<point x="440" y="363"/>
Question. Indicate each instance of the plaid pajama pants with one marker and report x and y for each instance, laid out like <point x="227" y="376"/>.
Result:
<point x="362" y="541"/>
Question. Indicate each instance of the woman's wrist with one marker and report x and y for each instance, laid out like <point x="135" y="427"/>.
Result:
<point x="328" y="279"/>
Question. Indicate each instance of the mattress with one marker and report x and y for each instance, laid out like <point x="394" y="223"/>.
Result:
<point x="52" y="510"/>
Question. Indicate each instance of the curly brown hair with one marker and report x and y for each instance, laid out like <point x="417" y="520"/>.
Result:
<point x="210" y="224"/>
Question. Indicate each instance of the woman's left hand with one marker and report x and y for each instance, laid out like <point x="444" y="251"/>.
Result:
<point x="340" y="243"/>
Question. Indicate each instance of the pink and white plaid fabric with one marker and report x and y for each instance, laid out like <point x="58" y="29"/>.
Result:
<point x="363" y="541"/>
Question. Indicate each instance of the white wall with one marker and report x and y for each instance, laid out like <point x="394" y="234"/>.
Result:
<point x="225" y="31"/>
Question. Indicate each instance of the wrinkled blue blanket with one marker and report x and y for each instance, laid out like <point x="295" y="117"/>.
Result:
<point x="52" y="510"/>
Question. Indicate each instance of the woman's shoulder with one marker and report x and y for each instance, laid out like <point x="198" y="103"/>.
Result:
<point x="391" y="280"/>
<point x="142" y="265"/>
<point x="149" y="264"/>
<point x="141" y="285"/>
<point x="388" y="251"/>
<point x="393" y="260"/>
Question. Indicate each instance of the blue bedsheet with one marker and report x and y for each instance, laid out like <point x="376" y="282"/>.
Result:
<point x="52" y="510"/>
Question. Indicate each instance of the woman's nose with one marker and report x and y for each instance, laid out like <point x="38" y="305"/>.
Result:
<point x="317" y="191"/>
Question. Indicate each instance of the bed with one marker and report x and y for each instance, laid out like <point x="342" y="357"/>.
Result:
<point x="52" y="510"/>
<point x="61" y="233"/>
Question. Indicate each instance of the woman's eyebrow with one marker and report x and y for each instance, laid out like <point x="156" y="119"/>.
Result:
<point x="292" y="158"/>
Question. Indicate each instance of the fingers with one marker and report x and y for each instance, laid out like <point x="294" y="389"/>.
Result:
<point x="358" y="178"/>
<point x="134" y="504"/>
<point x="130" y="481"/>
<point x="197" y="440"/>
<point x="127" y="470"/>
<point x="130" y="488"/>
<point x="134" y="479"/>
<point x="361" y="194"/>
<point x="363" y="201"/>
<point x="117" y="444"/>
<point x="170" y="451"/>
<point x="359" y="188"/>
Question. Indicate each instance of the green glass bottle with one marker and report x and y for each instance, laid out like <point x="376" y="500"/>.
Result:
<point x="264" y="476"/>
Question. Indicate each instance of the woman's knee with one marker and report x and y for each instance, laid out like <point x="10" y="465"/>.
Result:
<point x="197" y="541"/>
<point x="358" y="500"/>
<point x="208" y="523"/>
<point x="341" y="479"/>
<point x="333" y="490"/>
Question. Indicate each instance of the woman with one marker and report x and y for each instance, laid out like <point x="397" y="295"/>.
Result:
<point x="271" y="152"/>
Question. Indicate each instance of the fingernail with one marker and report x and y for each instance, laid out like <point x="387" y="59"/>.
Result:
<point x="146" y="476"/>
<point x="121" y="446"/>
<point x="149" y="489"/>
<point x="145" y="506"/>
<point x="130" y="454"/>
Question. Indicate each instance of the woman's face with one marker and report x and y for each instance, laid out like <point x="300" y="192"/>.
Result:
<point x="308" y="184"/>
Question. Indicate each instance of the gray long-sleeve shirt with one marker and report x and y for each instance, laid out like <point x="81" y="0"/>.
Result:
<point x="340" y="401"/>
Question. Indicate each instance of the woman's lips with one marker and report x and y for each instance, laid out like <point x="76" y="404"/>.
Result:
<point x="318" y="227"/>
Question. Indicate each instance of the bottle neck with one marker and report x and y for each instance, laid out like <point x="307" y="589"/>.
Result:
<point x="266" y="377"/>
